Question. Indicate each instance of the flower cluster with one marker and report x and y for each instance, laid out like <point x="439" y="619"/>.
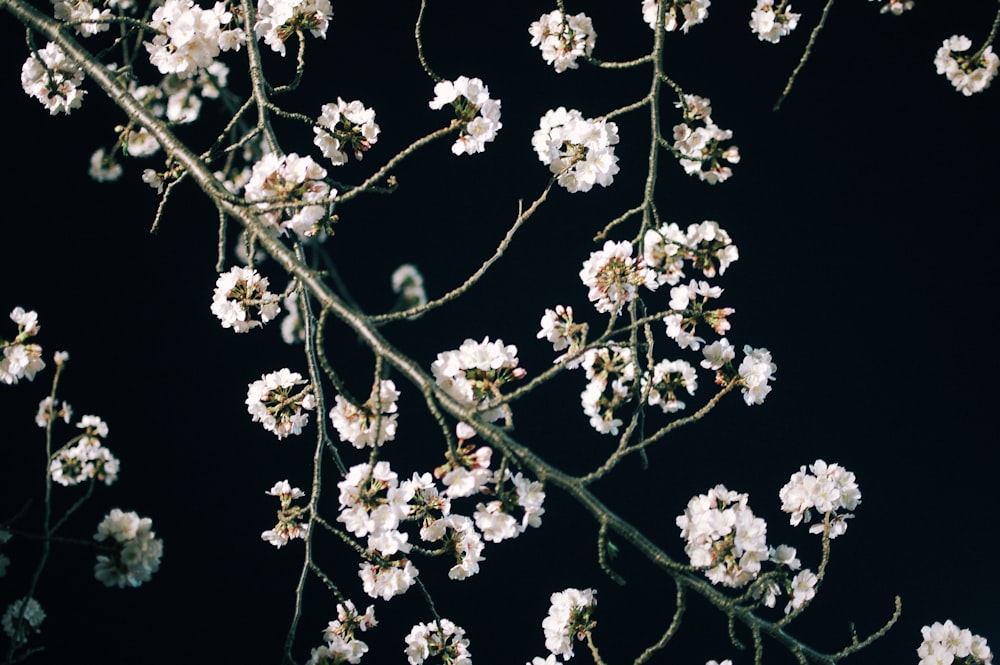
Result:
<point x="613" y="276"/>
<point x="53" y="79"/>
<point x="562" y="38"/>
<point x="370" y="424"/>
<point x="17" y="358"/>
<point x="459" y="536"/>
<point x="692" y="11"/>
<point x="698" y="142"/>
<point x="559" y="328"/>
<point x="293" y="193"/>
<point x="242" y="301"/>
<point x="770" y="25"/>
<point x="968" y="72"/>
<point x="756" y="371"/>
<point x="271" y="401"/>
<point x="466" y="469"/>
<point x="343" y="127"/>
<point x="84" y="457"/>
<point x="706" y="245"/>
<point x="373" y="504"/>
<point x="945" y="642"/>
<point x="135" y="550"/>
<point x="474" y="373"/>
<point x="21" y="618"/>
<point x="188" y="38"/>
<point x="579" y="152"/>
<point x="290" y="525"/>
<point x="342" y="644"/>
<point x="611" y="374"/>
<point x="825" y="488"/>
<point x="277" y="20"/>
<point x="724" y="537"/>
<point x="496" y="519"/>
<point x="87" y="20"/>
<point x="897" y="7"/>
<point x="440" y="637"/>
<point x="668" y="379"/>
<point x="408" y="283"/>
<point x="388" y="579"/>
<point x="568" y="618"/>
<point x="689" y="303"/>
<point x="478" y="115"/>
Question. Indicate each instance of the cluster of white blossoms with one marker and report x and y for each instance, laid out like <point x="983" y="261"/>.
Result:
<point x="559" y="328"/>
<point x="568" y="619"/>
<point x="692" y="11"/>
<point x="345" y="127"/>
<point x="724" y="537"/>
<point x="756" y="371"/>
<point x="458" y="535"/>
<point x="135" y="550"/>
<point x="290" y="524"/>
<point x="668" y="379"/>
<point x="387" y="579"/>
<point x="563" y="38"/>
<point x="370" y="424"/>
<point x="466" y="470"/>
<point x="478" y="115"/>
<point x="897" y="7"/>
<point x="292" y="192"/>
<point x="273" y="402"/>
<point x="277" y="20"/>
<point x="706" y="245"/>
<point x="946" y="643"/>
<point x="342" y="644"/>
<point x="611" y="375"/>
<point x="968" y="72"/>
<point x="474" y="373"/>
<point x="496" y="518"/>
<point x="18" y="359"/>
<point x="408" y="283"/>
<point x="21" y="618"/>
<point x="293" y="331"/>
<point x="825" y="488"/>
<point x="242" y="301"/>
<point x="187" y="38"/>
<point x="770" y="25"/>
<point x="613" y="276"/>
<point x="53" y="79"/>
<point x="689" y="303"/>
<point x="698" y="142"/>
<point x="87" y="20"/>
<point x="84" y="457"/>
<point x="578" y="151"/>
<point x="373" y="504"/>
<point x="440" y="637"/>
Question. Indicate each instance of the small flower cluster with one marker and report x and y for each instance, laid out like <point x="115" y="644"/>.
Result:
<point x="568" y="618"/>
<point x="968" y="72"/>
<point x="613" y="276"/>
<point x="370" y="424"/>
<point x="387" y="579"/>
<point x="770" y="25"/>
<point x="242" y="301"/>
<point x="897" y="7"/>
<point x="706" y="245"/>
<point x="698" y="142"/>
<point x="344" y="127"/>
<point x="474" y="373"/>
<point x="693" y="12"/>
<point x="944" y="643"/>
<point x="293" y="331"/>
<point x="408" y="283"/>
<point x="478" y="115"/>
<point x="18" y="359"/>
<point x="496" y="519"/>
<point x="84" y="457"/>
<point x="53" y="79"/>
<point x="562" y="38"/>
<point x="559" y="328"/>
<point x="22" y="617"/>
<point x="825" y="488"/>
<point x="293" y="193"/>
<point x="373" y="504"/>
<point x="87" y="20"/>
<point x="290" y="525"/>
<point x="136" y="551"/>
<point x="188" y="38"/>
<point x="611" y="374"/>
<point x="579" y="152"/>
<point x="440" y="637"/>
<point x="271" y="402"/>
<point x="689" y="304"/>
<point x="277" y="20"/>
<point x="466" y="470"/>
<point x="668" y="379"/>
<point x="756" y="372"/>
<point x="342" y="644"/>
<point x="724" y="537"/>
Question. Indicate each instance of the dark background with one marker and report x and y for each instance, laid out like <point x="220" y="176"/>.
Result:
<point x="864" y="214"/>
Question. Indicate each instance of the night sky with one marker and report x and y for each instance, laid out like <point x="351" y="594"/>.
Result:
<point x="864" y="212"/>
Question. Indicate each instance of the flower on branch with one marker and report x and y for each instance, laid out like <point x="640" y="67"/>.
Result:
<point x="611" y="373"/>
<point x="478" y="115"/>
<point x="440" y="637"/>
<point x="373" y="504"/>
<point x="85" y="457"/>
<point x="293" y="194"/>
<point x="825" y="488"/>
<point x="290" y="525"/>
<point x="562" y="39"/>
<point x="568" y="619"/>
<point x="17" y="359"/>
<point x="897" y="7"/>
<point x="345" y="127"/>
<point x="613" y="276"/>
<point x="271" y="401"/>
<point x="579" y="152"/>
<point x="968" y="72"/>
<point x="86" y="18"/>
<point x="946" y="643"/>
<point x="21" y="618"/>
<point x="136" y="551"/>
<point x="474" y="373"/>
<point x="770" y="25"/>
<point x="277" y="20"/>
<point x="668" y="379"/>
<point x="342" y="644"/>
<point x="692" y="11"/>
<point x="188" y="38"/>
<point x="53" y="79"/>
<point x="242" y="301"/>
<point x="756" y="371"/>
<point x="370" y="424"/>
<point x="706" y="245"/>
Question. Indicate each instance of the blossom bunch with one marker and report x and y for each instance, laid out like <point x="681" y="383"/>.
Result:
<point x="342" y="644"/>
<point x="373" y="504"/>
<point x="388" y="578"/>
<point x="370" y="424"/>
<point x="724" y="537"/>
<point x="343" y="127"/>
<point x="474" y="373"/>
<point x="466" y="469"/>
<point x="273" y="402"/>
<point x="698" y="142"/>
<point x="290" y="524"/>
<point x="292" y="192"/>
<point x="689" y="303"/>
<point x="21" y="618"/>
<point x="669" y="377"/>
<point x="569" y="618"/>
<point x="559" y="328"/>
<point x="441" y="637"/>
<point x="85" y="457"/>
<point x="458" y="536"/>
<point x="477" y="114"/>
<point x="944" y="643"/>
<point x="612" y="276"/>
<point x="53" y="79"/>
<point x="87" y="20"/>
<point x="706" y="245"/>
<point x="692" y="11"/>
<point x="578" y="151"/>
<point x="826" y="488"/>
<point x="968" y="72"/>
<point x="277" y="20"/>
<point x="408" y="283"/>
<point x="242" y="301"/>
<point x="611" y="374"/>
<point x="135" y="550"/>
<point x="188" y="38"/>
<point x="771" y="25"/>
<point x="18" y="359"/>
<point x="497" y="518"/>
<point x="563" y="38"/>
<point x="756" y="372"/>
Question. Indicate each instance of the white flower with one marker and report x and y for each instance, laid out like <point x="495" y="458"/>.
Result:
<point x="289" y="524"/>
<point x="271" y="402"/>
<point x="277" y="20"/>
<point x="47" y="410"/>
<point x="136" y="552"/>
<point x="897" y="7"/>
<point x="292" y="192"/>
<point x="22" y="617"/>
<point x="241" y="299"/>
<point x="701" y="152"/>
<point x="579" y="152"/>
<point x="103" y="167"/>
<point x="84" y="15"/>
<point x="408" y="283"/>
<point x="438" y="638"/>
<point x="692" y="11"/>
<point x="968" y="75"/>
<point x="668" y="379"/>
<point x="613" y="276"/>
<point x="476" y="112"/>
<point x="387" y="580"/>
<point x="562" y="39"/>
<point x="825" y="488"/>
<point x="771" y="26"/>
<point x="803" y="589"/>
<point x="474" y="373"/>
<point x="717" y="354"/>
<point x="568" y="618"/>
<point x="188" y="38"/>
<point x="371" y="424"/>
<point x="755" y="372"/>
<point x="343" y="127"/>
<point x="53" y="79"/>
<point x="945" y="642"/>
